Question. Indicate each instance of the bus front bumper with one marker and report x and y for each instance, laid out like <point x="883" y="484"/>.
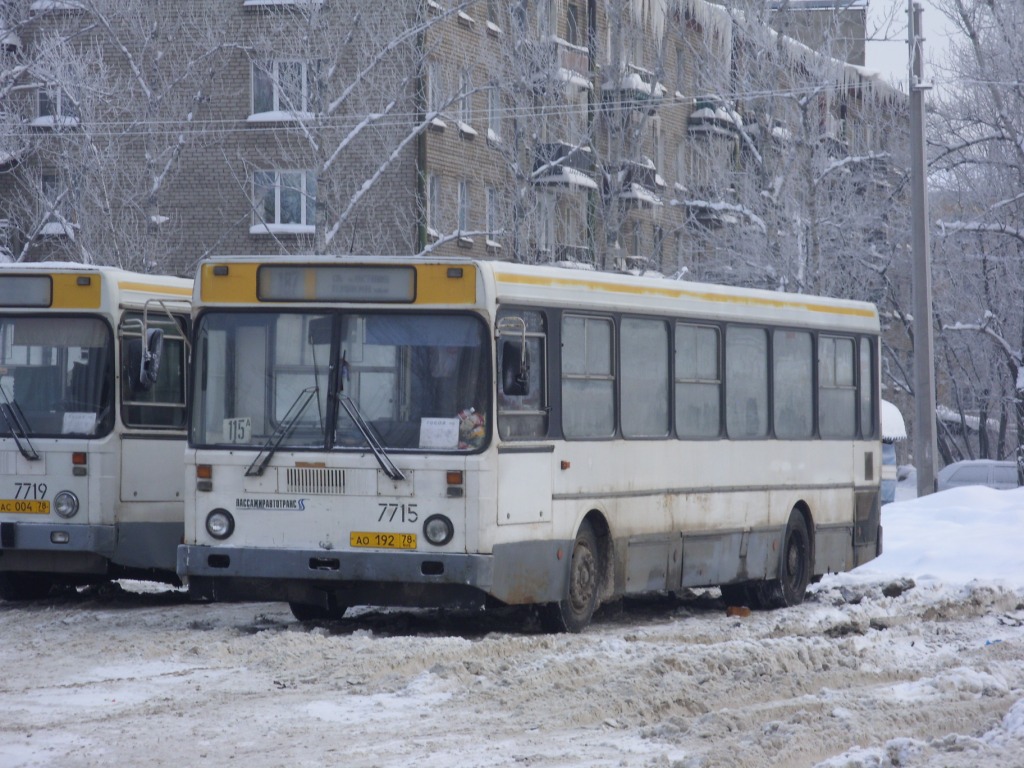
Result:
<point x="55" y="547"/>
<point x="518" y="573"/>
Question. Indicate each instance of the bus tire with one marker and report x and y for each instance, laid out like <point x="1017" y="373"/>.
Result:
<point x="20" y="587"/>
<point x="790" y="586"/>
<point x="574" y="612"/>
<point x="308" y="612"/>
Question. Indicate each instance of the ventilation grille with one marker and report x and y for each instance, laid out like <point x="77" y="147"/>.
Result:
<point x="314" y="480"/>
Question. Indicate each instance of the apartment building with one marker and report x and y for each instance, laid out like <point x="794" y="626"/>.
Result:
<point x="609" y="134"/>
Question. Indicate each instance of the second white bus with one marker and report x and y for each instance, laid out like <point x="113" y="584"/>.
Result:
<point x="92" y="425"/>
<point x="437" y="433"/>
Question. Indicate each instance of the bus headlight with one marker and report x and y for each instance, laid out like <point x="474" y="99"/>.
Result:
<point x="438" y="529"/>
<point x="65" y="504"/>
<point x="220" y="524"/>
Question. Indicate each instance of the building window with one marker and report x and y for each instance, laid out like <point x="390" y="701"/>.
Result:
<point x="519" y="17"/>
<point x="546" y="17"/>
<point x="658" y="138"/>
<point x="433" y="206"/>
<point x="494" y="113"/>
<point x="680" y="76"/>
<point x="465" y="101"/>
<point x="56" y="108"/>
<point x="546" y="227"/>
<point x="572" y="19"/>
<point x="463" y="207"/>
<point x="284" y="201"/>
<point x="493" y="225"/>
<point x="58" y="205"/>
<point x="434" y="96"/>
<point x="493" y="17"/>
<point x="283" y="87"/>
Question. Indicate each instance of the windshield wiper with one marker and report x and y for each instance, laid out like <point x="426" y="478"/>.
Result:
<point x="284" y="428"/>
<point x="376" y="446"/>
<point x="18" y="425"/>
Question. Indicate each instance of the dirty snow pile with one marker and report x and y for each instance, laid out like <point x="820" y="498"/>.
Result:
<point x="914" y="660"/>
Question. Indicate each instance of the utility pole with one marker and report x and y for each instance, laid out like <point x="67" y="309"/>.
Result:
<point x="924" y="356"/>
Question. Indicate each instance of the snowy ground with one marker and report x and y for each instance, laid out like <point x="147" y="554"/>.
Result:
<point x="914" y="660"/>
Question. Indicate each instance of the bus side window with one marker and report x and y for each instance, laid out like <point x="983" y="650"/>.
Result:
<point x="588" y="376"/>
<point x="746" y="382"/>
<point x="698" y="381"/>
<point x="837" y="407"/>
<point x="522" y="405"/>
<point x="162" y="404"/>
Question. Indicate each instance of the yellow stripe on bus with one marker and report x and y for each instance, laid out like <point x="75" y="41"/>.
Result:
<point x="676" y="293"/>
<point x="68" y="294"/>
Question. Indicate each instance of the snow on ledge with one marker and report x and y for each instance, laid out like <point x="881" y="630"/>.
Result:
<point x="278" y="117"/>
<point x="282" y="229"/>
<point x="250" y="3"/>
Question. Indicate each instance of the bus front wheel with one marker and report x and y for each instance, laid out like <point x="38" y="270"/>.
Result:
<point x="18" y="587"/>
<point x="574" y="611"/>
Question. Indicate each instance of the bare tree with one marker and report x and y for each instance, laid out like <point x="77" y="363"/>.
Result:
<point x="109" y="90"/>
<point x="977" y="136"/>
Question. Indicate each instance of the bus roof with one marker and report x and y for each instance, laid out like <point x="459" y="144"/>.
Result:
<point x="513" y="283"/>
<point x="630" y="293"/>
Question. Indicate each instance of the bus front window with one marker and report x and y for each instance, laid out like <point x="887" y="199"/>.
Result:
<point x="58" y="372"/>
<point x="251" y="370"/>
<point x="421" y="381"/>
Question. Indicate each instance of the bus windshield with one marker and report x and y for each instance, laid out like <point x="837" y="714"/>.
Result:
<point x="57" y="376"/>
<point x="324" y="379"/>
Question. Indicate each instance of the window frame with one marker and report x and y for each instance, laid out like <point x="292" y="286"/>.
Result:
<point x="278" y="93"/>
<point x="306" y="201"/>
<point x="588" y="376"/>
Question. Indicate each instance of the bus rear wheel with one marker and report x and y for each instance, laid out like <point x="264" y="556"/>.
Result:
<point x="574" y="611"/>
<point x="307" y="612"/>
<point x="790" y="586"/>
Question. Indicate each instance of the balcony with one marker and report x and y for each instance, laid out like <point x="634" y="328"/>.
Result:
<point x="635" y="87"/>
<point x="566" y="164"/>
<point x="710" y="118"/>
<point x="556" y="60"/>
<point x="640" y="183"/>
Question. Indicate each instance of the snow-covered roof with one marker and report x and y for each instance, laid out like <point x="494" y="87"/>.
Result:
<point x="893" y="426"/>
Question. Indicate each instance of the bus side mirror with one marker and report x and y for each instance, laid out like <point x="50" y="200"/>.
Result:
<point x="515" y="369"/>
<point x="149" y="360"/>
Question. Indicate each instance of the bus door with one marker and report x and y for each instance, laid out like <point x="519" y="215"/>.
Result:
<point x="525" y="467"/>
<point x="153" y="410"/>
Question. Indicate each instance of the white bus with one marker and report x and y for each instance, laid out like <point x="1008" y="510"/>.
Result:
<point x="444" y="432"/>
<point x="92" y="425"/>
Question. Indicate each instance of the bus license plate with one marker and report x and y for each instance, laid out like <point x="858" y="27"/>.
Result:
<point x="382" y="540"/>
<point x="27" y="506"/>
